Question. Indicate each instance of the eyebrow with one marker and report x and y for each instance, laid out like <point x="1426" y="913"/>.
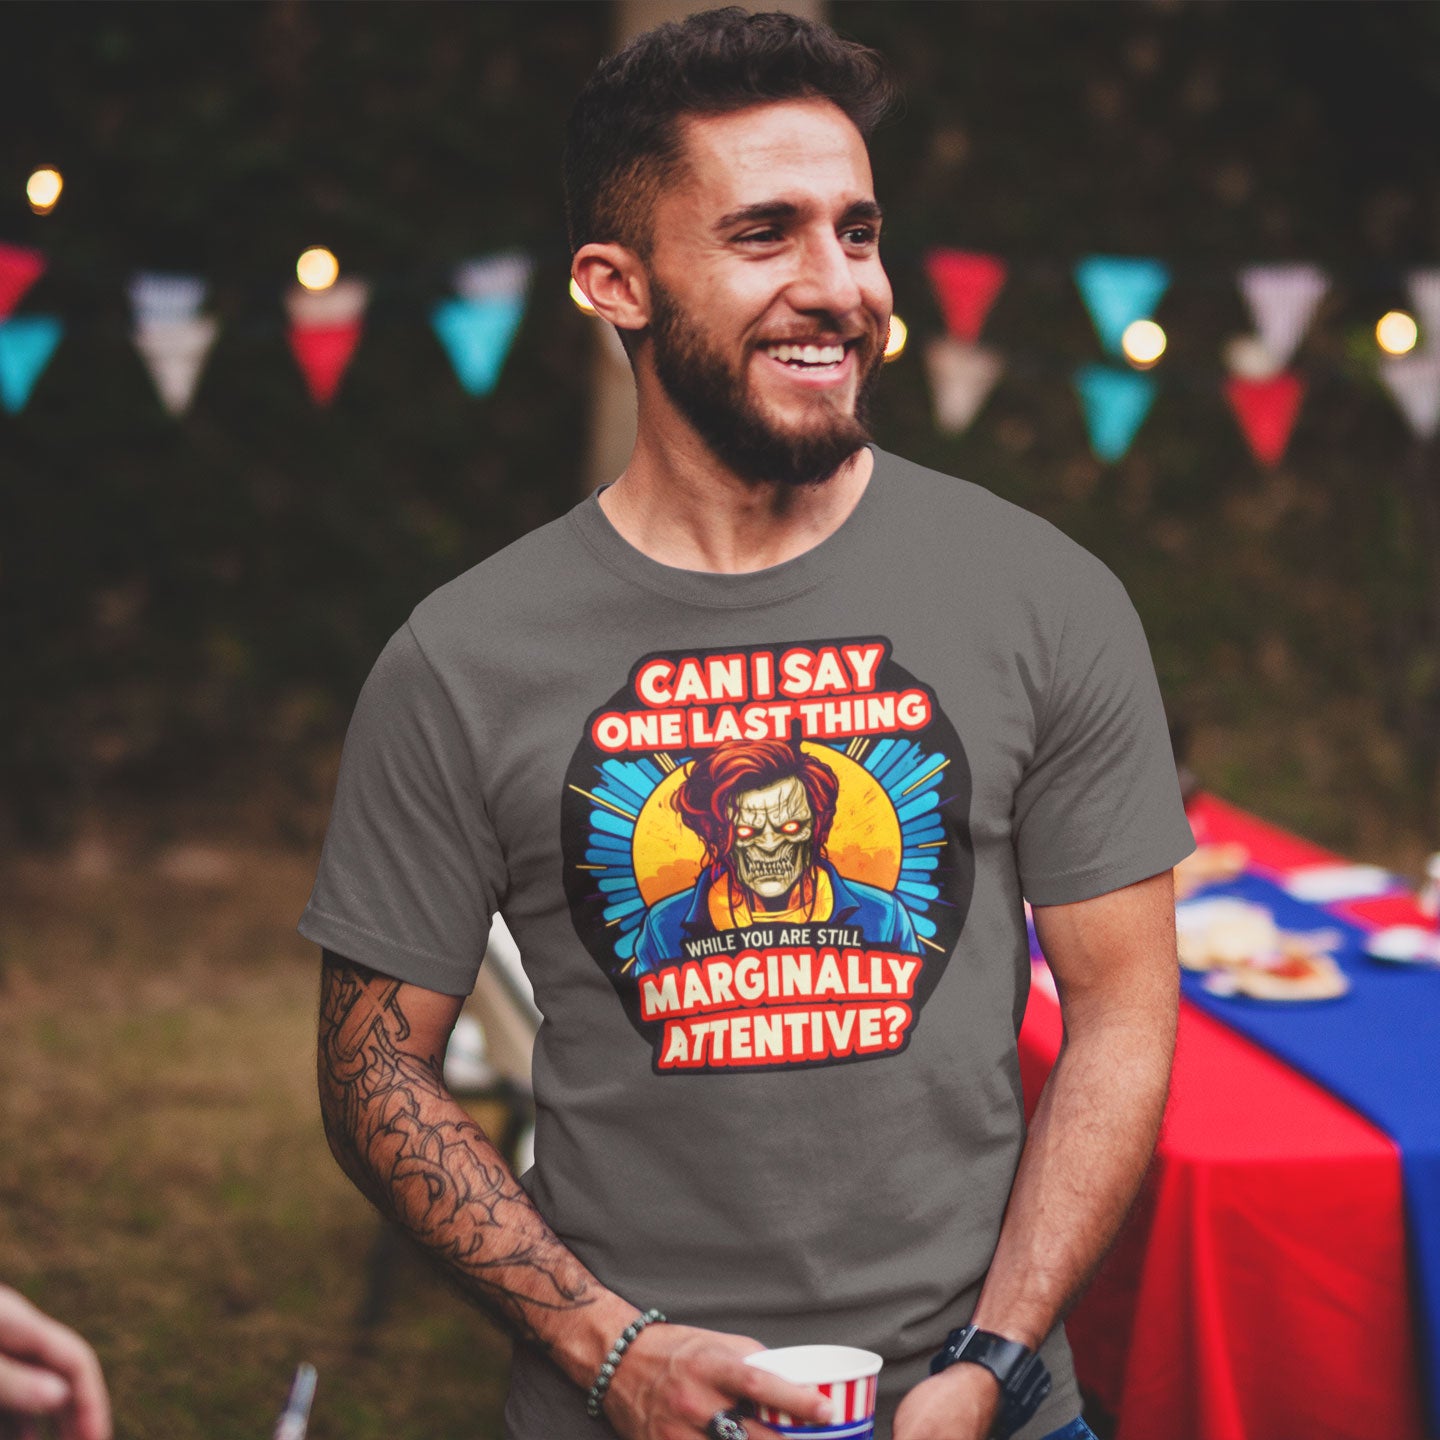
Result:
<point x="786" y="210"/>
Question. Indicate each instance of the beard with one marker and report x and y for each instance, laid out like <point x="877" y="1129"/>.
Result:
<point x="716" y="400"/>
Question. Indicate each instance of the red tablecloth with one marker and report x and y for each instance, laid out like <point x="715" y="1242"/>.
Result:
<point x="1259" y="1290"/>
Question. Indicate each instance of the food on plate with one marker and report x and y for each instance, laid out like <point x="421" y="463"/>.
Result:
<point x="1246" y="953"/>
<point x="1296" y="975"/>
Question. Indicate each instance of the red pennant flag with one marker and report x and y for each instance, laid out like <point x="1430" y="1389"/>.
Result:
<point x="323" y="352"/>
<point x="966" y="285"/>
<point x="19" y="270"/>
<point x="1266" y="410"/>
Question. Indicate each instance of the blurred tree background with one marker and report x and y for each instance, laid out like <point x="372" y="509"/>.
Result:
<point x="188" y="607"/>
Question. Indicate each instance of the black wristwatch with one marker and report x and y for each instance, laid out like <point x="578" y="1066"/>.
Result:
<point x="1024" y="1380"/>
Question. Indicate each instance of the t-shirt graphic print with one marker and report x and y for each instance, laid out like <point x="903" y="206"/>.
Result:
<point x="767" y="851"/>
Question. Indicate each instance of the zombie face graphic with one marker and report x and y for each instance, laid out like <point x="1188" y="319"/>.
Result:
<point x="773" y="829"/>
<point x="763" y="809"/>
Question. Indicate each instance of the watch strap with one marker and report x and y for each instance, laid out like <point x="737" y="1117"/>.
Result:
<point x="1024" y="1380"/>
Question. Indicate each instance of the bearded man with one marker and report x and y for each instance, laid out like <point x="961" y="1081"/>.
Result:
<point x="693" y="1203"/>
<point x="763" y="811"/>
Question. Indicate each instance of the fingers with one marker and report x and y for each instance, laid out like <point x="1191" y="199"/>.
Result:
<point x="807" y="1404"/>
<point x="30" y="1390"/>
<point x="87" y="1417"/>
<point x="47" y="1369"/>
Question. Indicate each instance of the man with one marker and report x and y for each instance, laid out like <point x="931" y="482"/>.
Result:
<point x="763" y="811"/>
<point x="797" y="1131"/>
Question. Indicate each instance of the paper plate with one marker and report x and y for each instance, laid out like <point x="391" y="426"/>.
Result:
<point x="1404" y="945"/>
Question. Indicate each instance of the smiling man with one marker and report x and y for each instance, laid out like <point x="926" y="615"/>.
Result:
<point x="761" y="750"/>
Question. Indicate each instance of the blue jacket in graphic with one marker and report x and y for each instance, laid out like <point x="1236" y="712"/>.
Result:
<point x="882" y="919"/>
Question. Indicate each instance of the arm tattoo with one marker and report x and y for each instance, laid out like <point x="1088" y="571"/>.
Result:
<point x="402" y="1138"/>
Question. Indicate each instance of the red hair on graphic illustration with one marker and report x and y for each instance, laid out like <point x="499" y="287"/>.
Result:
<point x="763" y="809"/>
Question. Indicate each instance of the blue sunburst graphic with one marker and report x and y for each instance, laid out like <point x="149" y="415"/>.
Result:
<point x="911" y="776"/>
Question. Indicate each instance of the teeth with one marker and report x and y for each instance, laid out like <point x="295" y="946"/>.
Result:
<point x="807" y="354"/>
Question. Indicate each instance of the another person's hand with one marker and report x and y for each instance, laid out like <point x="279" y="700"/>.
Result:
<point x="960" y="1403"/>
<point x="46" y="1369"/>
<point x="674" y="1378"/>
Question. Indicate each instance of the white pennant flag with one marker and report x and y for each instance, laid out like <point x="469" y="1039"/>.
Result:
<point x="1249" y="358"/>
<point x="154" y="296"/>
<point x="174" y="353"/>
<point x="1424" y="287"/>
<point x="961" y="379"/>
<point x="342" y="304"/>
<point x="494" y="277"/>
<point x="1414" y="383"/>
<point x="1283" y="300"/>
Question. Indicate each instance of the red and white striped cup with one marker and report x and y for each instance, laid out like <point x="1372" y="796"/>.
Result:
<point x="848" y="1376"/>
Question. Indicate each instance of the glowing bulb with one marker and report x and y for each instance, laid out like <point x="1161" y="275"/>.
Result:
<point x="317" y="268"/>
<point x="895" y="340"/>
<point x="1396" y="333"/>
<point x="581" y="299"/>
<point x="1143" y="343"/>
<point x="43" y="189"/>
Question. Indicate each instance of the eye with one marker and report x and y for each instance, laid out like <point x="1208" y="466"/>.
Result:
<point x="744" y="832"/>
<point x="791" y="827"/>
<point x="768" y="236"/>
<point x="861" y="235"/>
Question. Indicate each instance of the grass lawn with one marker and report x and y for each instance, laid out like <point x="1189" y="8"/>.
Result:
<point x="165" y="1186"/>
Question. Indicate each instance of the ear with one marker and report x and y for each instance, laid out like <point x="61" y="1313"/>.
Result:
<point x="613" y="278"/>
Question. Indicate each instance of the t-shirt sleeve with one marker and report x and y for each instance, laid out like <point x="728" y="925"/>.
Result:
<point x="1099" y="804"/>
<point x="411" y="871"/>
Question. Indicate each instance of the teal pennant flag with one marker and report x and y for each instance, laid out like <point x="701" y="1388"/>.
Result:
<point x="476" y="335"/>
<point x="1118" y="290"/>
<point x="1115" y="403"/>
<point x="26" y="344"/>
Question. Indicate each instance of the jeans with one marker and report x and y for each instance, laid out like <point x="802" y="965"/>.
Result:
<point x="1075" y="1430"/>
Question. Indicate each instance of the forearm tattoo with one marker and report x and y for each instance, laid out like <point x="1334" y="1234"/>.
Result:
<point x="400" y="1135"/>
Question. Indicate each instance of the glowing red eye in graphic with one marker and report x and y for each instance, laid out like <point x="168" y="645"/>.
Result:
<point x="744" y="832"/>
<point x="791" y="827"/>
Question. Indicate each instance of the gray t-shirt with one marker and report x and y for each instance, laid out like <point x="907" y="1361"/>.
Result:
<point x="762" y="841"/>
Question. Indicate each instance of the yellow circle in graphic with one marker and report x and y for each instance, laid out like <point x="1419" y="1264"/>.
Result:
<point x="864" y="842"/>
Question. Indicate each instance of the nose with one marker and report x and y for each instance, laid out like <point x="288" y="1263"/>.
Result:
<point x="827" y="281"/>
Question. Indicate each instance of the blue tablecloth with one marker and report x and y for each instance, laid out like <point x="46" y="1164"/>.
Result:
<point x="1378" y="1049"/>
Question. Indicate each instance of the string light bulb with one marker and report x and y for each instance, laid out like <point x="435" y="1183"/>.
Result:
<point x="581" y="299"/>
<point x="1396" y="333"/>
<point x="1143" y="343"/>
<point x="43" y="189"/>
<point x="895" y="340"/>
<point x="317" y="268"/>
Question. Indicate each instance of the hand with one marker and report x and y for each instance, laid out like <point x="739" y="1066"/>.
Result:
<point x="960" y="1403"/>
<point x="675" y="1377"/>
<point x="47" y="1369"/>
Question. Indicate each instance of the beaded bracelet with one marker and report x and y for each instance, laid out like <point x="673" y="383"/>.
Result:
<point x="596" y="1398"/>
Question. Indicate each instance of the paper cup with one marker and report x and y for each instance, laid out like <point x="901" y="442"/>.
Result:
<point x="848" y="1376"/>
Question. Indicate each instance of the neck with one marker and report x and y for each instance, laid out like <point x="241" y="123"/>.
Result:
<point x="679" y="504"/>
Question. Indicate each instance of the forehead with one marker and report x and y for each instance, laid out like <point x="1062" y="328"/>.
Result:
<point x="784" y="797"/>
<point x="794" y="150"/>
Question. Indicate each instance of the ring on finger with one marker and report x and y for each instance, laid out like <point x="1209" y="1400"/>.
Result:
<point x="726" y="1425"/>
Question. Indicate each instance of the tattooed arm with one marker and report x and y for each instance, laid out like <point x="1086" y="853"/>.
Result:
<point x="400" y="1135"/>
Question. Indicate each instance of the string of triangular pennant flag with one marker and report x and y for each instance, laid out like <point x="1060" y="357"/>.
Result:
<point x="477" y="326"/>
<point x="1119" y="293"/>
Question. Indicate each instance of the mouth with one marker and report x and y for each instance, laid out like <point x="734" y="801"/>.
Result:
<point x="770" y="869"/>
<point x="820" y="360"/>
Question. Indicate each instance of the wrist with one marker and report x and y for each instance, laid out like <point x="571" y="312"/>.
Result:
<point x="1018" y="1380"/>
<point x="599" y="1389"/>
<point x="581" y="1349"/>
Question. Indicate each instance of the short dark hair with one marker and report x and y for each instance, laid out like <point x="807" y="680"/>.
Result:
<point x="623" y="139"/>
